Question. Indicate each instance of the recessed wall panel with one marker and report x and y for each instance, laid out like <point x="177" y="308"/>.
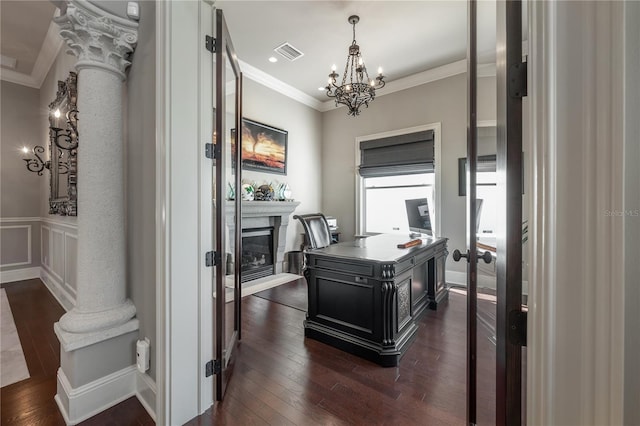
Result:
<point x="15" y="245"/>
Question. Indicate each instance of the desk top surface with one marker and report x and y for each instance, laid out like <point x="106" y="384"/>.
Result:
<point x="379" y="248"/>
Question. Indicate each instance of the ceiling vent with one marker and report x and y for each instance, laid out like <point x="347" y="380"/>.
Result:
<point x="8" y="61"/>
<point x="288" y="51"/>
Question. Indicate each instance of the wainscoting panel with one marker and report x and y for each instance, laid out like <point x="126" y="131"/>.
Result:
<point x="20" y="253"/>
<point x="70" y="266"/>
<point x="46" y="258"/>
<point x="16" y="245"/>
<point x="56" y="241"/>
<point x="59" y="265"/>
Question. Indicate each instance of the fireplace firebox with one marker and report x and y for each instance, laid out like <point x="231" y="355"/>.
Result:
<point x="257" y="253"/>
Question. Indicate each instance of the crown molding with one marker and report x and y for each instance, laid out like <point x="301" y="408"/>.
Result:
<point x="48" y="53"/>
<point x="434" y="74"/>
<point x="279" y="86"/>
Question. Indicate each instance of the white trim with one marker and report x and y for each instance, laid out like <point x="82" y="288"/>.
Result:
<point x="424" y="77"/>
<point x="206" y="385"/>
<point x="484" y="281"/>
<point x="146" y="393"/>
<point x="437" y="131"/>
<point x="88" y="400"/>
<point x="19" y="274"/>
<point x="279" y="86"/>
<point x="163" y="216"/>
<point x="46" y="57"/>
<point x="19" y="219"/>
<point x="59" y="222"/>
<point x="28" y="262"/>
<point x="577" y="304"/>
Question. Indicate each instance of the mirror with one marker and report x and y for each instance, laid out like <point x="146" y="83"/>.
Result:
<point x="63" y="148"/>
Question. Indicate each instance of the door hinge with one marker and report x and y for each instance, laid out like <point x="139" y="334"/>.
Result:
<point x="212" y="258"/>
<point x="518" y="80"/>
<point x="518" y="328"/>
<point x="212" y="367"/>
<point x="211" y="151"/>
<point x="210" y="43"/>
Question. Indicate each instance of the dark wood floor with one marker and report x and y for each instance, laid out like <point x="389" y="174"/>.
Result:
<point x="30" y="401"/>
<point x="281" y="378"/>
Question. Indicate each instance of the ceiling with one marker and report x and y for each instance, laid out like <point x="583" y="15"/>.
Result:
<point x="23" y="29"/>
<point x="403" y="37"/>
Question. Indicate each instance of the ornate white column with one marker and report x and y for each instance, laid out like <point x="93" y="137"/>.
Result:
<point x="98" y="335"/>
<point x="102" y="43"/>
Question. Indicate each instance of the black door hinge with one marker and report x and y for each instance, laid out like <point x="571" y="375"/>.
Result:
<point x="518" y="80"/>
<point x="212" y="367"/>
<point x="212" y="258"/>
<point x="518" y="328"/>
<point x="211" y="151"/>
<point x="210" y="43"/>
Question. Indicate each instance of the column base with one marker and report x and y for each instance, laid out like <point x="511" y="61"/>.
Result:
<point x="96" y="376"/>
<point x="78" y="322"/>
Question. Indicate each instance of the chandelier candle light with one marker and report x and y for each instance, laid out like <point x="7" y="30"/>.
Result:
<point x="357" y="88"/>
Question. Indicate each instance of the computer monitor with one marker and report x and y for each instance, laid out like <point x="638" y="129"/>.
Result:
<point x="419" y="217"/>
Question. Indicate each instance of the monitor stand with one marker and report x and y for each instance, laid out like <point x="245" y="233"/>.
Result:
<point x="415" y="235"/>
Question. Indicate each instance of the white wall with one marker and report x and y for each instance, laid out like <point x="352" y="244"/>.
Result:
<point x="140" y="178"/>
<point x="441" y="101"/>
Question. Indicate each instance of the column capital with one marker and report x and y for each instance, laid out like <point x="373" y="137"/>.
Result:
<point x="98" y="38"/>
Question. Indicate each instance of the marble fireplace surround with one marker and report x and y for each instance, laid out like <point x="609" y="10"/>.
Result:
<point x="262" y="214"/>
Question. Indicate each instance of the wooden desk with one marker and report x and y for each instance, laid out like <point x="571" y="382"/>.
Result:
<point x="366" y="296"/>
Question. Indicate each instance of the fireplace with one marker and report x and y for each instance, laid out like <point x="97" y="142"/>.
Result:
<point x="257" y="253"/>
<point x="264" y="232"/>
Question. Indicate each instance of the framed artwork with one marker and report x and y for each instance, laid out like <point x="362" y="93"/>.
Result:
<point x="264" y="148"/>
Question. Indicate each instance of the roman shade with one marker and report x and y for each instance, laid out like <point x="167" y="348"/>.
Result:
<point x="410" y="153"/>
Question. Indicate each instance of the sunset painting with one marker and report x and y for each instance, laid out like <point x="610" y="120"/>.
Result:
<point x="264" y="148"/>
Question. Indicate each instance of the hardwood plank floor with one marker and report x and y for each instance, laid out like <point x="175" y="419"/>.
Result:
<point x="280" y="377"/>
<point x="30" y="401"/>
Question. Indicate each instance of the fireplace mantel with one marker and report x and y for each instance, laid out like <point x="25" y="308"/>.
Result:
<point x="268" y="208"/>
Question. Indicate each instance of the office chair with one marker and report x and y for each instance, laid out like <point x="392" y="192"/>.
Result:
<point x="316" y="229"/>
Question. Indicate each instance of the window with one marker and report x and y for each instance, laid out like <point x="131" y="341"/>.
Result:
<point x="394" y="167"/>
<point x="384" y="197"/>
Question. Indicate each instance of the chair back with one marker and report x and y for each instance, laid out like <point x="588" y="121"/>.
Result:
<point x="316" y="229"/>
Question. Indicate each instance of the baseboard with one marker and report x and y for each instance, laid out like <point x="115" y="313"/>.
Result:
<point x="55" y="288"/>
<point x="81" y="403"/>
<point x="460" y="279"/>
<point x="19" y="274"/>
<point x="146" y="393"/>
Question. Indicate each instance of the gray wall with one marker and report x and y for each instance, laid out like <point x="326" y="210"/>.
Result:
<point x="441" y="101"/>
<point x="304" y="165"/>
<point x="20" y="190"/>
<point x="140" y="179"/>
<point x="632" y="221"/>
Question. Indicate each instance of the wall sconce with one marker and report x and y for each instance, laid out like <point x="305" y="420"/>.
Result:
<point x="36" y="165"/>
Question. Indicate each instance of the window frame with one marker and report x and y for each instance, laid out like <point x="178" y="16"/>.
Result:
<point x="360" y="219"/>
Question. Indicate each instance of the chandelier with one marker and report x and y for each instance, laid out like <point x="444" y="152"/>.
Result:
<point x="357" y="88"/>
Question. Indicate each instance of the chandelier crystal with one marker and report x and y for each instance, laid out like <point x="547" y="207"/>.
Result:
<point x="357" y="88"/>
